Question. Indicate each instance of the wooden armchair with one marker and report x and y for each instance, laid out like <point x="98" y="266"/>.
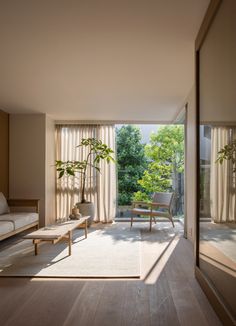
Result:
<point x="161" y="206"/>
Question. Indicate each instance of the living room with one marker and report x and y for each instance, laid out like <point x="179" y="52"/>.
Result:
<point x="103" y="64"/>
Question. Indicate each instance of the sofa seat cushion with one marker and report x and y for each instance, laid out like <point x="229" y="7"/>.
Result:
<point x="6" y="227"/>
<point x="20" y="219"/>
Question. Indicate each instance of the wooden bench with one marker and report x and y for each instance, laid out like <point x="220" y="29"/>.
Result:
<point x="161" y="206"/>
<point x="57" y="232"/>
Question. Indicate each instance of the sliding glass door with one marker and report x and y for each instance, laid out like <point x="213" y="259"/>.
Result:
<point x="216" y="205"/>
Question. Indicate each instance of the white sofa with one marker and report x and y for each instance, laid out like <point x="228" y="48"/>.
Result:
<point x="14" y="222"/>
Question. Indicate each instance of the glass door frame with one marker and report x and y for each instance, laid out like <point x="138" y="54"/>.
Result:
<point x="206" y="285"/>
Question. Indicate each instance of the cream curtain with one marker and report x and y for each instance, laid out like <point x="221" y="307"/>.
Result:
<point x="222" y="184"/>
<point x="100" y="187"/>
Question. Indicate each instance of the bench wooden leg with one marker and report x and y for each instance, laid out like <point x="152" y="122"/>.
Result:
<point x="35" y="242"/>
<point x="86" y="229"/>
<point x="35" y="249"/>
<point x="131" y="221"/>
<point x="69" y="241"/>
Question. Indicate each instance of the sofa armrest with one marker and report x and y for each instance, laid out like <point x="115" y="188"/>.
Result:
<point x="24" y="203"/>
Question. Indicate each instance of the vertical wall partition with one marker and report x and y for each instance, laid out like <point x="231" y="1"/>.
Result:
<point x="216" y="131"/>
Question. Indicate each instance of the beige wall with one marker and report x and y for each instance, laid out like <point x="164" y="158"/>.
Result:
<point x="31" y="157"/>
<point x="27" y="158"/>
<point x="218" y="68"/>
<point x="50" y="171"/>
<point x="191" y="165"/>
<point x="4" y="141"/>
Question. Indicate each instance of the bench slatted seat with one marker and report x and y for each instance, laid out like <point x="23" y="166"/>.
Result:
<point x="57" y="232"/>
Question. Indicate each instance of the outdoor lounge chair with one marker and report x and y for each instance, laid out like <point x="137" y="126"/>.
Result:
<point x="161" y="206"/>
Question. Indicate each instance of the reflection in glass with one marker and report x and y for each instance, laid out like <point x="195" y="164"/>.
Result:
<point x="218" y="210"/>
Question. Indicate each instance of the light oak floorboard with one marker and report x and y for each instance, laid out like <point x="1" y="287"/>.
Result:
<point x="162" y="308"/>
<point x="110" y="306"/>
<point x="169" y="295"/>
<point x="83" y="309"/>
<point x="136" y="305"/>
<point x="49" y="305"/>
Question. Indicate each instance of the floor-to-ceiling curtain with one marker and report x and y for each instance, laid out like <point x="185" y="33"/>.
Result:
<point x="106" y="180"/>
<point x="100" y="187"/>
<point x="222" y="183"/>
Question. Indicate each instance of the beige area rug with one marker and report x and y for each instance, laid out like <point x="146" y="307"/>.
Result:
<point x="109" y="251"/>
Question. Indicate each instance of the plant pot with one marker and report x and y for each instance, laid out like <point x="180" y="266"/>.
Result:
<point x="86" y="209"/>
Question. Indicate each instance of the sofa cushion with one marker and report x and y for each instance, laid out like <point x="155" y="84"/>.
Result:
<point x="5" y="227"/>
<point x="3" y="204"/>
<point x="20" y="219"/>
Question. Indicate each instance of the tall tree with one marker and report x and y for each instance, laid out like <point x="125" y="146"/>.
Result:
<point x="166" y="156"/>
<point x="131" y="162"/>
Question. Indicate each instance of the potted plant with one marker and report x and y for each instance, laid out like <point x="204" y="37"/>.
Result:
<point x="97" y="151"/>
<point x="228" y="152"/>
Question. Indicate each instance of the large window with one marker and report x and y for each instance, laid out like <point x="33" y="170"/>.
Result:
<point x="150" y="159"/>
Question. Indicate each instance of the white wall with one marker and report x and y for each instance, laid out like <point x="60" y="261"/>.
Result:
<point x="31" y="152"/>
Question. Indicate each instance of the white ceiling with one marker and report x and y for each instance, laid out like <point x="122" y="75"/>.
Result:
<point x="98" y="60"/>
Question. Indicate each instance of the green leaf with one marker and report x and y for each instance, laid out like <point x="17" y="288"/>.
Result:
<point x="61" y="174"/>
<point x="70" y="172"/>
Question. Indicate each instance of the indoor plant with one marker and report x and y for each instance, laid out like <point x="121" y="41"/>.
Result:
<point x="97" y="151"/>
<point x="228" y="152"/>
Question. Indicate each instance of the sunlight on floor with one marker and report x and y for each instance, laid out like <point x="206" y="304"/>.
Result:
<point x="152" y="276"/>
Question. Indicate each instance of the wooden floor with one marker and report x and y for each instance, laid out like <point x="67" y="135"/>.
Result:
<point x="167" y="295"/>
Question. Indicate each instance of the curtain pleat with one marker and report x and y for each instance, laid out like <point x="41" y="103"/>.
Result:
<point x="106" y="179"/>
<point x="100" y="187"/>
<point x="222" y="184"/>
